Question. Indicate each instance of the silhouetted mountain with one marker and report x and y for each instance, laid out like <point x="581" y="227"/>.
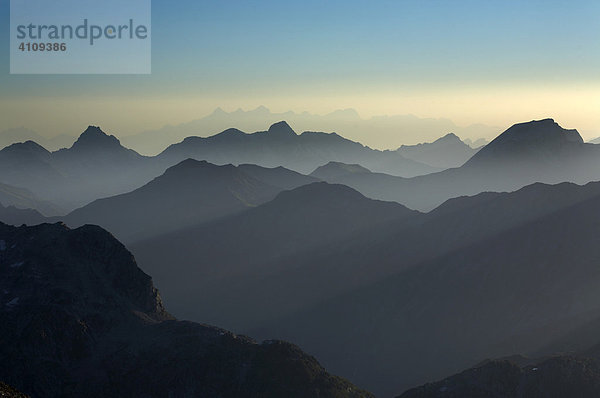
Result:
<point x="516" y="288"/>
<point x="10" y="136"/>
<point x="187" y="194"/>
<point x="14" y="216"/>
<point x="373" y="185"/>
<point x="24" y="199"/>
<point x="382" y="132"/>
<point x="214" y="266"/>
<point x="29" y="165"/>
<point x="337" y="170"/>
<point x="446" y="152"/>
<point x="538" y="151"/>
<point x="559" y="377"/>
<point x="95" y="166"/>
<point x="280" y="146"/>
<point x="542" y="141"/>
<point x="79" y="318"/>
<point x="433" y="293"/>
<point x="279" y="177"/>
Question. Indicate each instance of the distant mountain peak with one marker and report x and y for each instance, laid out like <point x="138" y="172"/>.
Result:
<point x="27" y="146"/>
<point x="94" y="137"/>
<point x="321" y="188"/>
<point x="219" y="111"/>
<point x="540" y="131"/>
<point x="337" y="169"/>
<point x="189" y="162"/>
<point x="281" y="129"/>
<point x="262" y="109"/>
<point x="230" y="132"/>
<point x="449" y="137"/>
<point x="192" y="168"/>
<point x="526" y="138"/>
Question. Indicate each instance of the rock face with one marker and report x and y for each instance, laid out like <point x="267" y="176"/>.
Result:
<point x="7" y="391"/>
<point x="79" y="318"/>
<point x="553" y="378"/>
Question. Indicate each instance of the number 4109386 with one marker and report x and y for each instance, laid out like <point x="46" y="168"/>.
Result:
<point x="43" y="47"/>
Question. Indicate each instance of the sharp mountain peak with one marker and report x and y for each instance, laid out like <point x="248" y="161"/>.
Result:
<point x="94" y="137"/>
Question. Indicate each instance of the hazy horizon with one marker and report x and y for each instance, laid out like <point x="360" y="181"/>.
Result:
<point x="495" y="64"/>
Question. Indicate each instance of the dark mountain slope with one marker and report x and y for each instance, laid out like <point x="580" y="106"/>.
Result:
<point x="516" y="291"/>
<point x="79" y="318"/>
<point x="542" y="141"/>
<point x="209" y="261"/>
<point x="279" y="177"/>
<point x="561" y="377"/>
<point x="280" y="270"/>
<point x="186" y="194"/>
<point x="281" y="146"/>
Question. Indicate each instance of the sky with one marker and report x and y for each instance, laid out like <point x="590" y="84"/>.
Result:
<point x="490" y="62"/>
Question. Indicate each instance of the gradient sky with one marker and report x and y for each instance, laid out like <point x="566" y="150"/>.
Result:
<point x="491" y="62"/>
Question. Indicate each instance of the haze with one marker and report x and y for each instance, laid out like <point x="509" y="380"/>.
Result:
<point x="486" y="63"/>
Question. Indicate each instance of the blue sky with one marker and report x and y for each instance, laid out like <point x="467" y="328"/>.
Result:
<point x="276" y="50"/>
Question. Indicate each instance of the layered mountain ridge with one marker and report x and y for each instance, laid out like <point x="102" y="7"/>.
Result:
<point x="79" y="318"/>
<point x="526" y="153"/>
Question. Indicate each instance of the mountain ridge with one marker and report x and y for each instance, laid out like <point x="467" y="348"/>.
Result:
<point x="79" y="318"/>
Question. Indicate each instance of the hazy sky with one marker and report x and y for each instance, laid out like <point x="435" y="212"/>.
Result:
<point x="491" y="62"/>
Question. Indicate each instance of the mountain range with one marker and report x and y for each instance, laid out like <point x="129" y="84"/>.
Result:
<point x="336" y="261"/>
<point x="23" y="199"/>
<point x="421" y="287"/>
<point x="21" y="134"/>
<point x="15" y="216"/>
<point x="216" y="266"/>
<point x="189" y="193"/>
<point x="537" y="151"/>
<point x="381" y="132"/>
<point x="448" y="297"/>
<point x="281" y="146"/>
<point x="79" y="318"/>
<point x="98" y="166"/>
